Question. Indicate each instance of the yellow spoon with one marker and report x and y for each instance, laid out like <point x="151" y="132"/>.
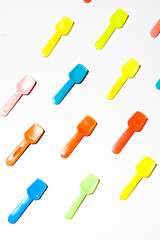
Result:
<point x="129" y="70"/>
<point x="117" y="20"/>
<point x="63" y="27"/>
<point x="144" y="170"/>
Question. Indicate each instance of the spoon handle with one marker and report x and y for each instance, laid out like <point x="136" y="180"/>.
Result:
<point x="51" y="44"/>
<point x="130" y="187"/>
<point x="10" y="104"/>
<point x="116" y="87"/>
<point x="71" y="212"/>
<point x="105" y="37"/>
<point x="57" y="99"/>
<point x="67" y="150"/>
<point x="14" y="156"/>
<point x="19" y="210"/>
<point x="155" y="30"/>
<point x="121" y="142"/>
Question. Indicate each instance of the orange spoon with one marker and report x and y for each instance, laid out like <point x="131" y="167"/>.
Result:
<point x="31" y="136"/>
<point x="85" y="128"/>
<point x="135" y="124"/>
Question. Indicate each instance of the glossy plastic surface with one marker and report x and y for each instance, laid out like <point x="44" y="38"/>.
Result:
<point x="85" y="128"/>
<point x="34" y="192"/>
<point x="63" y="28"/>
<point x="32" y="135"/>
<point x="76" y="76"/>
<point x="117" y="20"/>
<point x="129" y="70"/>
<point x="155" y="30"/>
<point x="144" y="170"/>
<point x="24" y="87"/>
<point x="88" y="186"/>
<point x="36" y="189"/>
<point x="135" y="124"/>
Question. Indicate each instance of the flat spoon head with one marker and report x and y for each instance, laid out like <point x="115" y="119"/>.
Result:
<point x="64" y="26"/>
<point x="33" y="134"/>
<point x="137" y="121"/>
<point x="145" y="167"/>
<point x="130" y="68"/>
<point x="78" y="73"/>
<point x="36" y="189"/>
<point x="119" y="18"/>
<point x="26" y="85"/>
<point x="86" y="126"/>
<point x="89" y="184"/>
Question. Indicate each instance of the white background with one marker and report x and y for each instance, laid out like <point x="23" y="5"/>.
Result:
<point x="25" y="28"/>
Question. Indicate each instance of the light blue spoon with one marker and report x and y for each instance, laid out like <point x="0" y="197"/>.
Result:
<point x="34" y="192"/>
<point x="75" y="76"/>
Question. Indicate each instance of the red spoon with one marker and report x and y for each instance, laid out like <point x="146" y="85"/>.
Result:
<point x="135" y="124"/>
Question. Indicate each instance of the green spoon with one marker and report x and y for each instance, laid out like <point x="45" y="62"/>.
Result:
<point x="117" y="20"/>
<point x="88" y="186"/>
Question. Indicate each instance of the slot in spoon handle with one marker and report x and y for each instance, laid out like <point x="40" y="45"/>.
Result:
<point x="14" y="156"/>
<point x="130" y="187"/>
<point x="19" y="210"/>
<point x="10" y="104"/>
<point x="57" y="99"/>
<point x="116" y="87"/>
<point x="71" y="212"/>
<point x="51" y="44"/>
<point x="121" y="142"/>
<point x="105" y="37"/>
<point x="67" y="150"/>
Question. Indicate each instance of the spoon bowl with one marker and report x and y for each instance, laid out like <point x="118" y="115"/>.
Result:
<point x="86" y="126"/>
<point x="36" y="189"/>
<point x="89" y="184"/>
<point x="33" y="134"/>
<point x="78" y="73"/>
<point x="130" y="68"/>
<point x="26" y="85"/>
<point x="145" y="167"/>
<point x="137" y="121"/>
<point x="64" y="26"/>
<point x="119" y="18"/>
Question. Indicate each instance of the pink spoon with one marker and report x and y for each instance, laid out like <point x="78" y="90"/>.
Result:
<point x="24" y="87"/>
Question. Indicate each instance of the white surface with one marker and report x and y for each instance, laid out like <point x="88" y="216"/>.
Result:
<point x="25" y="28"/>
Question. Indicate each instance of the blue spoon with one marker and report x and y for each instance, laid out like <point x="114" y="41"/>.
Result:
<point x="75" y="76"/>
<point x="158" y="84"/>
<point x="34" y="192"/>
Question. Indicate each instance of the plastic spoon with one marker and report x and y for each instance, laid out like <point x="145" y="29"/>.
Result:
<point x="63" y="28"/>
<point x="85" y="128"/>
<point x="117" y="20"/>
<point x="34" y="192"/>
<point x="76" y="76"/>
<point x="155" y="30"/>
<point x="135" y="124"/>
<point x="158" y="84"/>
<point x="144" y="170"/>
<point x="129" y="70"/>
<point x="88" y="186"/>
<point x="24" y="87"/>
<point x="32" y="135"/>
